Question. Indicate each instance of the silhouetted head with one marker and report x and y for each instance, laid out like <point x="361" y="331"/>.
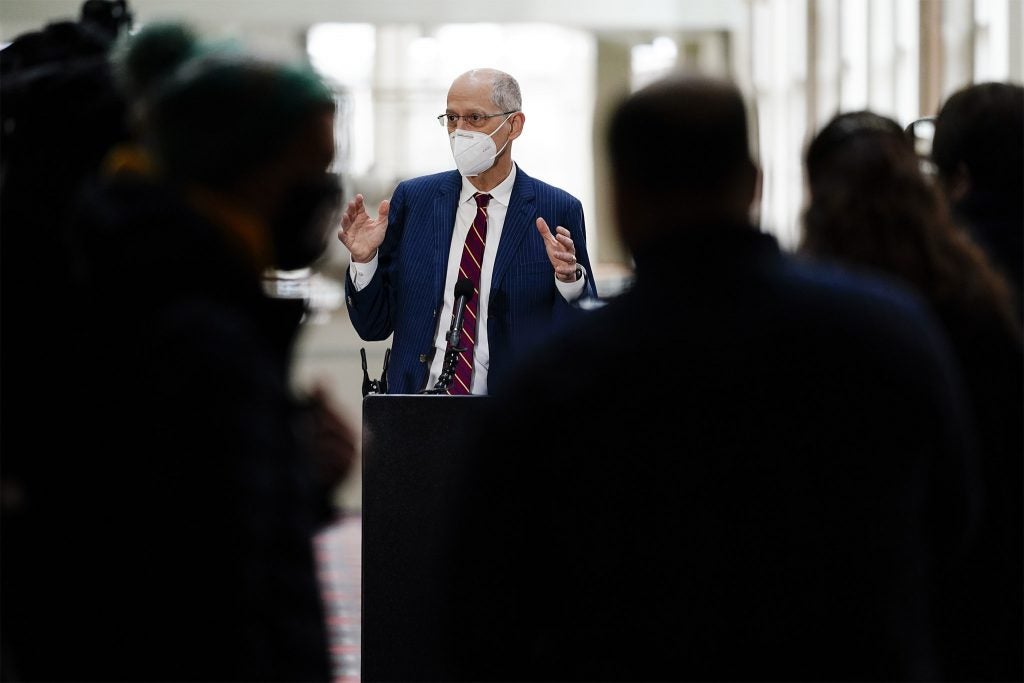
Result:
<point x="868" y="197"/>
<point x="258" y="133"/>
<point x="862" y="152"/>
<point x="142" y="60"/>
<point x="872" y="207"/>
<point x="979" y="141"/>
<point x="850" y="128"/>
<point x="112" y="17"/>
<point x="61" y="116"/>
<point x="680" y="157"/>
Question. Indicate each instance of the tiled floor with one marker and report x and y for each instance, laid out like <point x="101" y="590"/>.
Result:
<point x="328" y="354"/>
<point x="339" y="551"/>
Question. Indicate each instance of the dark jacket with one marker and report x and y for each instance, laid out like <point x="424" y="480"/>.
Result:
<point x="744" y="468"/>
<point x="981" y="626"/>
<point x="176" y="525"/>
<point x="997" y="224"/>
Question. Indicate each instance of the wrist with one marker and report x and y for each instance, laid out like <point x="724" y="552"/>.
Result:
<point x="363" y="258"/>
<point x="573" y="277"/>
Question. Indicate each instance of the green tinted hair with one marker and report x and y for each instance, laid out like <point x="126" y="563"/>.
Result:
<point x="143" y="59"/>
<point x="220" y="117"/>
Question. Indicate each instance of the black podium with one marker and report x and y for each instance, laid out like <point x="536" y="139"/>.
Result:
<point x="412" y="455"/>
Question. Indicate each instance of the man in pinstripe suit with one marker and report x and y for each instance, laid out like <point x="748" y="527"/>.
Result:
<point x="405" y="262"/>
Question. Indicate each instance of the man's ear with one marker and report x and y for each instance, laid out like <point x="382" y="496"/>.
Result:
<point x="516" y="123"/>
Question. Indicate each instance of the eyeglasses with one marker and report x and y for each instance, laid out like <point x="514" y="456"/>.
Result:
<point x="476" y="120"/>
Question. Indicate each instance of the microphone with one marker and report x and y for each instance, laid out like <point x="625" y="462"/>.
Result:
<point x="463" y="293"/>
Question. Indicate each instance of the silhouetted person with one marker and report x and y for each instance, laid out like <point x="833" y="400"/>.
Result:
<point x="141" y="64"/>
<point x="182" y="524"/>
<point x="61" y="114"/>
<point x="739" y="469"/>
<point x="978" y="149"/>
<point x="871" y="208"/>
<point x="46" y="154"/>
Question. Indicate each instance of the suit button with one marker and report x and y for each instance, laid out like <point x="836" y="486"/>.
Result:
<point x="423" y="358"/>
<point x="349" y="300"/>
<point x="434" y="313"/>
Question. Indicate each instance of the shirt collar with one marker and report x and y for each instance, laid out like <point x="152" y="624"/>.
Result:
<point x="502" y="193"/>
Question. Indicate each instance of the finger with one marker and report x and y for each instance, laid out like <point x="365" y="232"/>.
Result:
<point x="545" y="231"/>
<point x="566" y="256"/>
<point x="565" y="241"/>
<point x="354" y="208"/>
<point x="351" y="209"/>
<point x="383" y="209"/>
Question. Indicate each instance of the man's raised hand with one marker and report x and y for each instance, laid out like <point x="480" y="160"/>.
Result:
<point x="361" y="234"/>
<point x="561" y="251"/>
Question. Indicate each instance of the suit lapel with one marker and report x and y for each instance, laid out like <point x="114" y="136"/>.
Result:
<point x="443" y="227"/>
<point x="518" y="223"/>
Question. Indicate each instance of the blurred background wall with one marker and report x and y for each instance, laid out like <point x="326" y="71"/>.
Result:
<point x="798" y="61"/>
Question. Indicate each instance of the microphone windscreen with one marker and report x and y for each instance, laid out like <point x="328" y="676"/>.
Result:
<point x="463" y="288"/>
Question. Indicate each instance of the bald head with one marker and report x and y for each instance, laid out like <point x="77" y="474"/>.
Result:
<point x="681" y="144"/>
<point x="501" y="88"/>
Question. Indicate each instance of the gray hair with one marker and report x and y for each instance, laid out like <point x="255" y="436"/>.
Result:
<point x="505" y="93"/>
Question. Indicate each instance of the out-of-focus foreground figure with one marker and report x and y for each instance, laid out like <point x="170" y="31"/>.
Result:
<point x="744" y="468"/>
<point x="872" y="209"/>
<point x="172" y="539"/>
<point x="978" y="150"/>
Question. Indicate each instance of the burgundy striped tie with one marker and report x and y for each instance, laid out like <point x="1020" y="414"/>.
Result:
<point x="472" y="258"/>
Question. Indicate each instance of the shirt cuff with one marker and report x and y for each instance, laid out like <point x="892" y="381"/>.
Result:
<point x="571" y="291"/>
<point x="362" y="273"/>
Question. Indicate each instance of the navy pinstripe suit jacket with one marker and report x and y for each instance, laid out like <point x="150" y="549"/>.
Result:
<point x="405" y="294"/>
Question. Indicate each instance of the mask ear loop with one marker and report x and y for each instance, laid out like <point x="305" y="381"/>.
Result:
<point x="507" y="119"/>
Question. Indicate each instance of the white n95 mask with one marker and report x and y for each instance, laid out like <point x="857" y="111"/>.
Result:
<point x="474" y="151"/>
